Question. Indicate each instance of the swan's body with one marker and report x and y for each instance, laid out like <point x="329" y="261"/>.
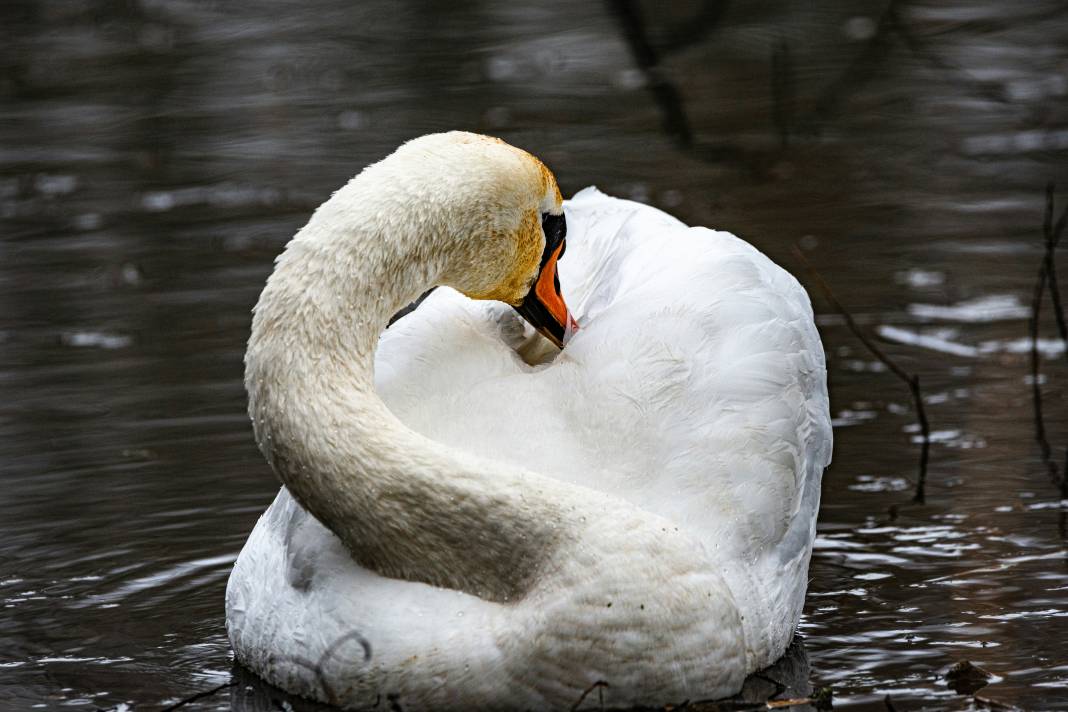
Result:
<point x="679" y="441"/>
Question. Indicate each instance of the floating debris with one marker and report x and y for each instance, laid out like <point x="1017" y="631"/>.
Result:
<point x="967" y="679"/>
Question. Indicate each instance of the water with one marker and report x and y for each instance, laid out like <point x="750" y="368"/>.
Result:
<point x="156" y="156"/>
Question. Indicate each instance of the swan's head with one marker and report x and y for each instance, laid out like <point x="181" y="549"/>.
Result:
<point x="503" y="229"/>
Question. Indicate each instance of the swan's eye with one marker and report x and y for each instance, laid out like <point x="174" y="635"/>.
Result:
<point x="555" y="229"/>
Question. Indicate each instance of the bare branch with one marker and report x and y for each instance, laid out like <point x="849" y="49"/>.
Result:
<point x="1052" y="237"/>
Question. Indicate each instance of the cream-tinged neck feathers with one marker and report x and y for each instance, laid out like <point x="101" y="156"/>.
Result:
<point x="454" y="209"/>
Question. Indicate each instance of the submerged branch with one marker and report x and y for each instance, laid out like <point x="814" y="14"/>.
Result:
<point x="910" y="380"/>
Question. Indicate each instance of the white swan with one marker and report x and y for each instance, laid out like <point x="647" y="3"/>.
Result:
<point x="638" y="511"/>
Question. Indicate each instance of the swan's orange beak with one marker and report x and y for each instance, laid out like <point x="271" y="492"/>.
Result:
<point x="544" y="306"/>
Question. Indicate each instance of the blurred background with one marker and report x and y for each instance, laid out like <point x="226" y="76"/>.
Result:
<point x="157" y="155"/>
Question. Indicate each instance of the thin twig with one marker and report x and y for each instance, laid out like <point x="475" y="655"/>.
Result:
<point x="199" y="696"/>
<point x="990" y="704"/>
<point x="1047" y="276"/>
<point x="1052" y="236"/>
<point x="595" y="686"/>
<point x="792" y="702"/>
<point x="1053" y="233"/>
<point x="1064" y="477"/>
<point x="1036" y="385"/>
<point x="910" y="380"/>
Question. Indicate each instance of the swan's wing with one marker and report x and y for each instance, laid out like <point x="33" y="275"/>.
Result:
<point x="706" y="388"/>
<point x="703" y="355"/>
<point x="696" y="387"/>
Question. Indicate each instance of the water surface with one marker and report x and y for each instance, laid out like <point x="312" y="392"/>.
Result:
<point x="156" y="156"/>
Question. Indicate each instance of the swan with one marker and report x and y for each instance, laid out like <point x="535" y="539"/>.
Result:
<point x="472" y="518"/>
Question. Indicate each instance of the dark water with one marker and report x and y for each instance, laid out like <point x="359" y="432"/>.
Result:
<point x="157" y="155"/>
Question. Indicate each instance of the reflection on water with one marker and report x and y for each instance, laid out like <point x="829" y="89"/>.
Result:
<point x="788" y="678"/>
<point x="158" y="155"/>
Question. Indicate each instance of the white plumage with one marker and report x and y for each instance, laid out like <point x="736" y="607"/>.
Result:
<point x="688" y="418"/>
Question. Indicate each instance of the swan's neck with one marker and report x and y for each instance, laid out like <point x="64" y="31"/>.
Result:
<point x="405" y="506"/>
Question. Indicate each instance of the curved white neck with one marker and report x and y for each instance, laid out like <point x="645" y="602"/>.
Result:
<point x="405" y="506"/>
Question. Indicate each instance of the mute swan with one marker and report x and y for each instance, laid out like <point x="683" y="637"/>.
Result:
<point x="486" y="533"/>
